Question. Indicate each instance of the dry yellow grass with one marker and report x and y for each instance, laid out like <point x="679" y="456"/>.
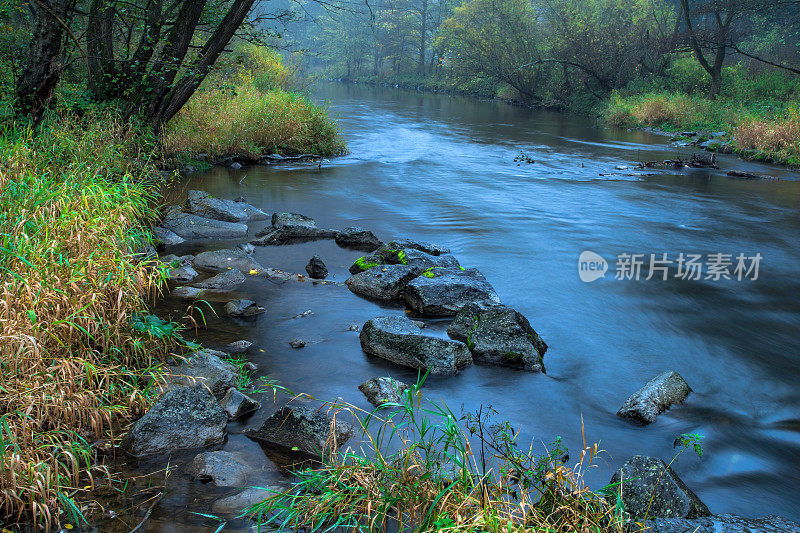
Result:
<point x="71" y="202"/>
<point x="781" y="136"/>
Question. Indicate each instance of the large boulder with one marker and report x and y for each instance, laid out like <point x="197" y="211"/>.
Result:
<point x="358" y="239"/>
<point x="445" y="291"/>
<point x="238" y="405"/>
<point x="182" y="418"/>
<point x="206" y="368"/>
<point x="189" y="226"/>
<point x="657" y="395"/>
<point x="383" y="390"/>
<point x="400" y="340"/>
<point x="426" y="247"/>
<point x="227" y="280"/>
<point x="223" y="260"/>
<point x="301" y="429"/>
<point x="382" y="283"/>
<point x="203" y="204"/>
<point x="224" y="469"/>
<point x="497" y="334"/>
<point x="649" y="487"/>
<point x="723" y="523"/>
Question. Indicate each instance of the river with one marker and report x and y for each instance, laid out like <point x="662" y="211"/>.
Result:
<point x="443" y="169"/>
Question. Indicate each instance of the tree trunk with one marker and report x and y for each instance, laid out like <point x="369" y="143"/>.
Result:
<point x="175" y="99"/>
<point x="100" y="50"/>
<point x="423" y="36"/>
<point x="38" y="80"/>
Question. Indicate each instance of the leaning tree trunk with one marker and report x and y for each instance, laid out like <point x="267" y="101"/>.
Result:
<point x="38" y="80"/>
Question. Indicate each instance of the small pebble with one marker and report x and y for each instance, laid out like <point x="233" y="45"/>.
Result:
<point x="297" y="344"/>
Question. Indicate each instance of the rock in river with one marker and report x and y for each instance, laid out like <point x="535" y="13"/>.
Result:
<point x="203" y="204"/>
<point x="236" y="503"/>
<point x="206" y="368"/>
<point x="426" y="247"/>
<point x="650" y="487"/>
<point x="224" y="469"/>
<point x="657" y="395"/>
<point x="301" y="429"/>
<point x="238" y="405"/>
<point x="383" y="282"/>
<point x="316" y="268"/>
<point x="497" y="334"/>
<point x="182" y="418"/>
<point x="166" y="237"/>
<point x="280" y="220"/>
<point x="271" y="236"/>
<point x="399" y="340"/>
<point x="191" y="226"/>
<point x="243" y="308"/>
<point x="383" y="390"/>
<point x="723" y="523"/>
<point x="223" y="260"/>
<point x="358" y="239"/>
<point x="228" y="280"/>
<point x="183" y="274"/>
<point x="444" y="291"/>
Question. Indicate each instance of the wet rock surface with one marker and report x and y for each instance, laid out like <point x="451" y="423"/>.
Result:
<point x="182" y="418"/>
<point x="167" y="237"/>
<point x="189" y="226"/>
<point x="382" y="283"/>
<point x="227" y="280"/>
<point x="280" y="220"/>
<point x="400" y="340"/>
<point x="243" y="308"/>
<point x="316" y="268"/>
<point x="383" y="390"/>
<point x="183" y="274"/>
<point x="208" y="369"/>
<point x="497" y="334"/>
<point x="358" y="239"/>
<point x="271" y="236"/>
<point x="445" y="291"/>
<point x="223" y="260"/>
<point x="651" y="488"/>
<point x="301" y="429"/>
<point x="235" y="503"/>
<point x="426" y="247"/>
<point x="203" y="204"/>
<point x="238" y="405"/>
<point x="723" y="523"/>
<point x="224" y="469"/>
<point x="655" y="397"/>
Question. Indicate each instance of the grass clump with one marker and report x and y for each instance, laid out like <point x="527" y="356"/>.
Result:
<point x="73" y="302"/>
<point x="250" y="107"/>
<point x="421" y="468"/>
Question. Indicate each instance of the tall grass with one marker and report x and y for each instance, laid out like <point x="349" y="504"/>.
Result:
<point x="422" y="468"/>
<point x="250" y="107"/>
<point x="73" y="199"/>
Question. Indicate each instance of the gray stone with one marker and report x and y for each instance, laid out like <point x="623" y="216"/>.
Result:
<point x="723" y="523"/>
<point x="358" y="239"/>
<point x="382" y="283"/>
<point x="423" y="261"/>
<point x="236" y="166"/>
<point x="183" y="274"/>
<point x="167" y="237"/>
<point x="302" y="429"/>
<point x="400" y="340"/>
<point x="363" y="264"/>
<point x="712" y="145"/>
<point x="223" y="260"/>
<point x="496" y="334"/>
<point x="280" y="220"/>
<point x="187" y="292"/>
<point x="297" y="343"/>
<point x="206" y="368"/>
<point x="182" y="418"/>
<point x="203" y="204"/>
<point x="649" y="487"/>
<point x="426" y="247"/>
<point x="243" y="308"/>
<point x="657" y="395"/>
<point x="238" y="405"/>
<point x="383" y="390"/>
<point x="191" y="226"/>
<point x="239" y="346"/>
<point x="246" y="247"/>
<point x="271" y="236"/>
<point x="444" y="291"/>
<point x="227" y="280"/>
<point x="224" y="469"/>
<point x="236" y="503"/>
<point x="316" y="268"/>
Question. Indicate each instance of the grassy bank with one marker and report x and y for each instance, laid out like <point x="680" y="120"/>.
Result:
<point x="73" y="202"/>
<point x="766" y="130"/>
<point x="252" y="106"/>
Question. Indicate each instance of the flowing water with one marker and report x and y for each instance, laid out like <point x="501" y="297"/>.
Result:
<point x="442" y="169"/>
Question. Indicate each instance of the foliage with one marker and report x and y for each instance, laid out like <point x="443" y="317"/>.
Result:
<point x="421" y="468"/>
<point x="76" y="337"/>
